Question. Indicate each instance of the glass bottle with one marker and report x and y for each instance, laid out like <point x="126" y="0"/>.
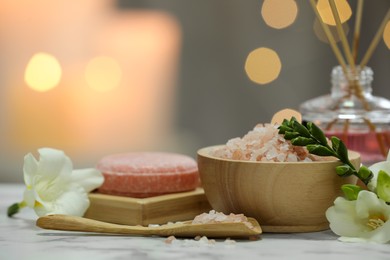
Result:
<point x="353" y="114"/>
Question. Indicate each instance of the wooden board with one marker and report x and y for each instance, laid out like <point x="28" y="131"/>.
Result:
<point x="155" y="210"/>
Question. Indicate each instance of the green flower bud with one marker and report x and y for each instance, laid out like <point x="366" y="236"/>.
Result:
<point x="351" y="191"/>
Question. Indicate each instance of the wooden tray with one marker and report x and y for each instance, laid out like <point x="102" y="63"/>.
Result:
<point x="155" y="210"/>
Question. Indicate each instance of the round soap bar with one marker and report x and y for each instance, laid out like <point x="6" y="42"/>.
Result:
<point x="147" y="174"/>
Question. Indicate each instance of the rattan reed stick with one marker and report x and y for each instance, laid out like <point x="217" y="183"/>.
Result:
<point x="343" y="37"/>
<point x="356" y="35"/>
<point x="375" y="41"/>
<point x="330" y="37"/>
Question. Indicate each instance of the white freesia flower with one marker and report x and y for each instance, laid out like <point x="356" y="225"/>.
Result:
<point x="375" y="168"/>
<point x="364" y="219"/>
<point x="53" y="187"/>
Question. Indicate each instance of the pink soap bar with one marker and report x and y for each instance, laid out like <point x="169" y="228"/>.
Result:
<point x="147" y="174"/>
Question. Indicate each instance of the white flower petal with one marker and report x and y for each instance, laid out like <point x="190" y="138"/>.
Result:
<point x="382" y="234"/>
<point x="372" y="184"/>
<point x="72" y="202"/>
<point x="352" y="239"/>
<point x="54" y="164"/>
<point x="40" y="210"/>
<point x="368" y="204"/>
<point x="30" y="168"/>
<point x="29" y="198"/>
<point x="384" y="166"/>
<point x="89" y="179"/>
<point x="342" y="218"/>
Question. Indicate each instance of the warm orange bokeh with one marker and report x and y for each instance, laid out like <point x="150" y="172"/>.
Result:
<point x="263" y="65"/>
<point x="386" y="35"/>
<point x="279" y="14"/>
<point x="343" y="8"/>
<point x="43" y="72"/>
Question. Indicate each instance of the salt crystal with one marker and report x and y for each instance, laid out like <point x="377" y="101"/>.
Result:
<point x="219" y="217"/>
<point x="292" y="158"/>
<point x="229" y="241"/>
<point x="263" y="143"/>
<point x="169" y="239"/>
<point x="153" y="225"/>
<point x="281" y="157"/>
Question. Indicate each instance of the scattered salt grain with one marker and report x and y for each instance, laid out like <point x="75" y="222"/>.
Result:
<point x="263" y="143"/>
<point x="198" y="241"/>
<point x="229" y="241"/>
<point x="169" y="239"/>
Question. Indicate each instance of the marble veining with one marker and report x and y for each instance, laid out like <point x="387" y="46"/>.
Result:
<point x="21" y="239"/>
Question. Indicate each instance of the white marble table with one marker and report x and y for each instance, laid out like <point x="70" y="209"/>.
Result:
<point x="21" y="239"/>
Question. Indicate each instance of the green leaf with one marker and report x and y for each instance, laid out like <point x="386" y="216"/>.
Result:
<point x="317" y="133"/>
<point x="284" y="129"/>
<point x="335" y="142"/>
<point x="383" y="186"/>
<point x="344" y="170"/>
<point x="351" y="191"/>
<point x="301" y="129"/>
<point x="340" y="148"/>
<point x="292" y="120"/>
<point x="319" y="150"/>
<point x="286" y="122"/>
<point x="289" y="123"/>
<point x="302" y="141"/>
<point x="291" y="135"/>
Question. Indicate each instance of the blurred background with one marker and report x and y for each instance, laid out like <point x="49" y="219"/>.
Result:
<point x="99" y="77"/>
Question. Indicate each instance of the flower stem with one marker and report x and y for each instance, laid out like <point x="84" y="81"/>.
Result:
<point x="14" y="208"/>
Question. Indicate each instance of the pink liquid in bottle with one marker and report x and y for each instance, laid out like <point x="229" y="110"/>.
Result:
<point x="372" y="146"/>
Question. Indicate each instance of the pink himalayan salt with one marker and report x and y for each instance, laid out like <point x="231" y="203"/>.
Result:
<point x="263" y="143"/>
<point x="169" y="239"/>
<point x="197" y="241"/>
<point x="219" y="217"/>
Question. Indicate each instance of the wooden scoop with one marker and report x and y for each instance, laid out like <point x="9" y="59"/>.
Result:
<point x="181" y="229"/>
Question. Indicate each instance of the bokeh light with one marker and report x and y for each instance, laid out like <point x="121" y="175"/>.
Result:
<point x="279" y="14"/>
<point x="43" y="72"/>
<point x="319" y="32"/>
<point x="343" y="7"/>
<point x="283" y="114"/>
<point x="263" y="65"/>
<point x="103" y="73"/>
<point x="386" y="35"/>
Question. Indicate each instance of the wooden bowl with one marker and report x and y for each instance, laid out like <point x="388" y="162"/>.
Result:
<point x="281" y="196"/>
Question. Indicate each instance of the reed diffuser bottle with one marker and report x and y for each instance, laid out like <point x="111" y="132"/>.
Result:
<point x="350" y="111"/>
<point x="353" y="114"/>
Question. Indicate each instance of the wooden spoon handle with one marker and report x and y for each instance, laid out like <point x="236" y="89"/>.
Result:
<point x="72" y="223"/>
